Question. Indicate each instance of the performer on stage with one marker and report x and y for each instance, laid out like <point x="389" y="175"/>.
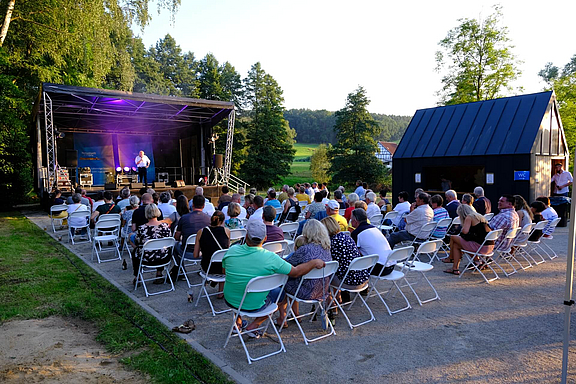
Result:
<point x="142" y="162"/>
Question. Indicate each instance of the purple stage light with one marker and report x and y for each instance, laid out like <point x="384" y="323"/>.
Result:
<point x="134" y="169"/>
<point x="126" y="169"/>
<point x="118" y="169"/>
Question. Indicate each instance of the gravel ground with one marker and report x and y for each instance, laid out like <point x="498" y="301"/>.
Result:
<point x="509" y="331"/>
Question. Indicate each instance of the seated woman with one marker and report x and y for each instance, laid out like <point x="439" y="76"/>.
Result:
<point x="524" y="212"/>
<point x="153" y="229"/>
<point x="182" y="208"/>
<point x="249" y="205"/>
<point x="537" y="208"/>
<point x="289" y="203"/>
<point x="474" y="231"/>
<point x="126" y="216"/>
<point x="57" y="199"/>
<point x="316" y="245"/>
<point x="343" y="249"/>
<point x="209" y="240"/>
<point x="234" y="222"/>
<point x="352" y="198"/>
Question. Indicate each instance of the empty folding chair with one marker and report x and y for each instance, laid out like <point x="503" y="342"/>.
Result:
<point x="534" y="245"/>
<point x="483" y="258"/>
<point x="55" y="211"/>
<point x="187" y="261"/>
<point x="166" y="243"/>
<point x="258" y="284"/>
<point x="79" y="221"/>
<point x="110" y="228"/>
<point x="504" y="252"/>
<point x="520" y="243"/>
<point x="396" y="255"/>
<point x="278" y="247"/>
<point x="327" y="272"/>
<point x="392" y="215"/>
<point x="410" y="267"/>
<point x="100" y="243"/>
<point x="237" y="236"/>
<point x="212" y="278"/>
<point x="430" y="250"/>
<point x="545" y="247"/>
<point x="358" y="264"/>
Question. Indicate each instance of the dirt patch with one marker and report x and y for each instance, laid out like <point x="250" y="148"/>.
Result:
<point x="58" y="350"/>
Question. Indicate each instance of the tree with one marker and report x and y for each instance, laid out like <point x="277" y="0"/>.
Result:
<point x="320" y="164"/>
<point x="178" y="68"/>
<point x="270" y="139"/>
<point x="476" y="60"/>
<point x="353" y="156"/>
<point x="563" y="82"/>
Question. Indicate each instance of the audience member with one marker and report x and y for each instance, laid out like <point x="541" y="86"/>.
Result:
<point x="241" y="192"/>
<point x="258" y="204"/>
<point x="128" y="212"/>
<point x="273" y="233"/>
<point x="139" y="215"/>
<point x="338" y="197"/>
<point x="537" y="208"/>
<point x="482" y="205"/>
<point x="107" y="207"/>
<point x="189" y="224"/>
<point x="549" y="214"/>
<point x="439" y="214"/>
<point x="249" y="205"/>
<point x="315" y="207"/>
<point x="403" y="207"/>
<point x="303" y="195"/>
<point x="273" y="201"/>
<point x="468" y="199"/>
<point x="360" y="191"/>
<point x="452" y="203"/>
<point x="232" y="221"/>
<point x="291" y="209"/>
<point x="524" y="212"/>
<point x="284" y="195"/>
<point x="332" y="210"/>
<point x="419" y="216"/>
<point x="225" y="198"/>
<point x="83" y="200"/>
<point x="372" y="209"/>
<point x="506" y="219"/>
<point x="165" y="206"/>
<point x="370" y="241"/>
<point x="76" y="206"/>
<point x="182" y="208"/>
<point x="352" y="199"/>
<point x="124" y="198"/>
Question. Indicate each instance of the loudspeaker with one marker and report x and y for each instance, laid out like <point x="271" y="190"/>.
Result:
<point x="136" y="185"/>
<point x="71" y="158"/>
<point x="219" y="161"/>
<point x="110" y="186"/>
<point x="158" y="184"/>
<point x="179" y="183"/>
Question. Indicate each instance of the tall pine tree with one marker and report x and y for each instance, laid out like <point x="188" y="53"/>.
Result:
<point x="353" y="156"/>
<point x="270" y="139"/>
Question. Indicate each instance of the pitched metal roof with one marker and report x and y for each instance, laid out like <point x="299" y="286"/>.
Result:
<point x="493" y="127"/>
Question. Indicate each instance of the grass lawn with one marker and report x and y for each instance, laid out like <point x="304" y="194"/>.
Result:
<point x="300" y="170"/>
<point x="39" y="278"/>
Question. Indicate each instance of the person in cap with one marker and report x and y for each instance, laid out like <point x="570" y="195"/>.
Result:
<point x="246" y="261"/>
<point x="332" y="210"/>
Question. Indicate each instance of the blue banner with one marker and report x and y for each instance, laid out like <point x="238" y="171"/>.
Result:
<point x="95" y="151"/>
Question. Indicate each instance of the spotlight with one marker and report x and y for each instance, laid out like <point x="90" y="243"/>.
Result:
<point x="118" y="169"/>
<point x="134" y="169"/>
<point x="126" y="169"/>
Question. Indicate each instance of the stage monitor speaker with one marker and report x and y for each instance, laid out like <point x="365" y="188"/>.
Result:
<point x="136" y="185"/>
<point x="158" y="184"/>
<point x="219" y="161"/>
<point x="110" y="186"/>
<point x="71" y="158"/>
<point x="179" y="183"/>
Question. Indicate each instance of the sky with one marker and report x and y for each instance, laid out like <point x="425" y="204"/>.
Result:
<point x="320" y="51"/>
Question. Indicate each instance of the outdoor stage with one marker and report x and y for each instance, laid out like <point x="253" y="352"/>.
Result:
<point x="213" y="192"/>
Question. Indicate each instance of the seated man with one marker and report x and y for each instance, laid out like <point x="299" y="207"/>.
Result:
<point x="77" y="206"/>
<point x="284" y="194"/>
<point x="372" y="209"/>
<point x="273" y="201"/>
<point x="236" y="198"/>
<point x="506" y="219"/>
<point x="338" y="196"/>
<point x="549" y="214"/>
<point x="249" y="260"/>
<point x="452" y="203"/>
<point x="371" y="241"/>
<point x="420" y="215"/>
<point x="83" y="200"/>
<point x="165" y="207"/>
<point x="208" y="206"/>
<point x="481" y="204"/>
<point x="189" y="224"/>
<point x="258" y="208"/>
<point x="225" y="198"/>
<point x="439" y="214"/>
<point x="332" y="210"/>
<point x="360" y="190"/>
<point x="302" y="195"/>
<point x="139" y="215"/>
<point x="403" y="207"/>
<point x="107" y="207"/>
<point x="124" y="198"/>
<point x="273" y="233"/>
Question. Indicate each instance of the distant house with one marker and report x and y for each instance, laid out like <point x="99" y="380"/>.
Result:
<point x="507" y="146"/>
<point x="385" y="152"/>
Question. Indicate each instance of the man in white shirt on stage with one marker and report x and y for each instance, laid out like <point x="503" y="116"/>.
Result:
<point x="562" y="180"/>
<point x="142" y="162"/>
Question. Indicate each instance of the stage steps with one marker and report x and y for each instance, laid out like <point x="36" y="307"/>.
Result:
<point x="233" y="182"/>
<point x="63" y="182"/>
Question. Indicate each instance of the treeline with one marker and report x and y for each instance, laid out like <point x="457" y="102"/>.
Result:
<point x="317" y="126"/>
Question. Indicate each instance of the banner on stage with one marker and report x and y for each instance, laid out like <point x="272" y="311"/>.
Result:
<point x="95" y="151"/>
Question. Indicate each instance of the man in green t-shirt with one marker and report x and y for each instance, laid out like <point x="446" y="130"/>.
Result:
<point x="244" y="262"/>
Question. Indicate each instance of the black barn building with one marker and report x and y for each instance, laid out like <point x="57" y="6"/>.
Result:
<point x="507" y="146"/>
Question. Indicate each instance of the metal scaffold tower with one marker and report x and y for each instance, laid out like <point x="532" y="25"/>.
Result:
<point x="50" y="143"/>
<point x="229" y="142"/>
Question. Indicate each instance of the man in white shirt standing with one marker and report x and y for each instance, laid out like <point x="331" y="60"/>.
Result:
<point x="562" y="180"/>
<point x="142" y="162"/>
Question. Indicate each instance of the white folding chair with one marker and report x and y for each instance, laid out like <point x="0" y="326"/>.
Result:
<point x="186" y="261"/>
<point x="410" y="267"/>
<point x="520" y="243"/>
<point x="396" y="255"/>
<point x="392" y="215"/>
<point x="341" y="212"/>
<point x="358" y="264"/>
<point x="209" y="278"/>
<point x="289" y="230"/>
<point x="258" y="284"/>
<point x="443" y="223"/>
<point x="327" y="272"/>
<point x="489" y="216"/>
<point x="429" y="250"/>
<point x="126" y="230"/>
<point x="424" y="234"/>
<point x="110" y="230"/>
<point x="552" y="254"/>
<point x="302" y="204"/>
<point x="152" y="246"/>
<point x="54" y="210"/>
<point x="108" y="225"/>
<point x="278" y="247"/>
<point x="505" y="253"/>
<point x="237" y="235"/>
<point x="85" y="215"/>
<point x="482" y="257"/>
<point x="376" y="220"/>
<point x="534" y="245"/>
<point x="244" y="222"/>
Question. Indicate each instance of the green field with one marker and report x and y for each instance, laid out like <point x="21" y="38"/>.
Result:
<point x="301" y="169"/>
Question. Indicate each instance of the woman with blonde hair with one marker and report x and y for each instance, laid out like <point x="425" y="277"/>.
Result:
<point x="474" y="231"/>
<point x="316" y="245"/>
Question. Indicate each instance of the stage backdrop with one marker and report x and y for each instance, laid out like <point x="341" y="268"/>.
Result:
<point x="103" y="153"/>
<point x="95" y="151"/>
